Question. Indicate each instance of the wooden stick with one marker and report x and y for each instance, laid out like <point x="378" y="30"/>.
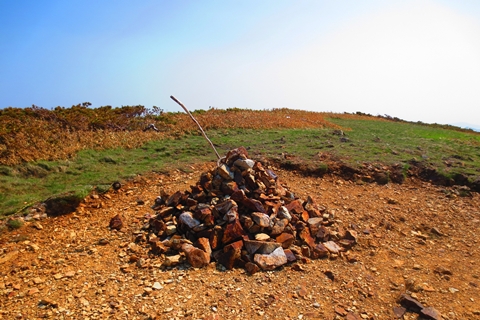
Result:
<point x="198" y="124"/>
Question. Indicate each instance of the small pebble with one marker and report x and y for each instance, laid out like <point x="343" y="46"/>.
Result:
<point x="157" y="286"/>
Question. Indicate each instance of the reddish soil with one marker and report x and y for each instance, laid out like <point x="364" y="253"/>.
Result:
<point x="416" y="238"/>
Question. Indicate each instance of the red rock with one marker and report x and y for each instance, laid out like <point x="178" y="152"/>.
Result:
<point x="250" y="182"/>
<point x="174" y="199"/>
<point x="204" y="244"/>
<point x="238" y="178"/>
<point x="230" y="253"/>
<point x="307" y="238"/>
<point x="290" y="256"/>
<point x="238" y="196"/>
<point x="351" y="235"/>
<point x="223" y="207"/>
<point x="196" y="257"/>
<point x="430" y="313"/>
<point x="48" y="302"/>
<point x="232" y="232"/>
<point x="176" y="241"/>
<point x="253" y="205"/>
<point x="33" y="291"/>
<point x="208" y="187"/>
<point x="166" y="211"/>
<point x="271" y="261"/>
<point x="202" y="211"/>
<point x="209" y="220"/>
<point x="286" y="239"/>
<point x="311" y="208"/>
<point x="158" y="226"/>
<point x="295" y="207"/>
<point x="443" y="271"/>
<point x="347" y="244"/>
<point x="352" y="316"/>
<point x="399" y="312"/>
<point x="240" y="218"/>
<point x="299" y="225"/>
<point x="340" y="311"/>
<point x="234" y="154"/>
<point x="306" y="252"/>
<point x="319" y="251"/>
<point x="216" y="237"/>
<point x="251" y="268"/>
<point x="247" y="222"/>
<point x="322" y="234"/>
<point x="279" y="189"/>
<point x="297" y="267"/>
<point x="229" y="187"/>
<point x="270" y="198"/>
<point x="116" y="222"/>
<point x="205" y="178"/>
<point x="267" y="181"/>
<point x="302" y="292"/>
<point x="304" y="216"/>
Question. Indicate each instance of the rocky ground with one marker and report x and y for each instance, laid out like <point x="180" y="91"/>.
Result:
<point x="416" y="239"/>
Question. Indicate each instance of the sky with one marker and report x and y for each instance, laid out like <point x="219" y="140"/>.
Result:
<point x="416" y="60"/>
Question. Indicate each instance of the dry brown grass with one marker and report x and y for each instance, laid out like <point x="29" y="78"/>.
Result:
<point x="38" y="134"/>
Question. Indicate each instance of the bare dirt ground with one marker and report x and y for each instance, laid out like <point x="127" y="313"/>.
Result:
<point x="415" y="238"/>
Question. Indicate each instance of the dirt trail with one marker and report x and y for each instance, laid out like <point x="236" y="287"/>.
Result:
<point x="415" y="238"/>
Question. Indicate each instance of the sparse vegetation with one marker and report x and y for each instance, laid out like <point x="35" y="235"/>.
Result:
<point x="14" y="223"/>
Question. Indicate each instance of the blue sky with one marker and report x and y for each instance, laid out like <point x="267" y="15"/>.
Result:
<point x="416" y="60"/>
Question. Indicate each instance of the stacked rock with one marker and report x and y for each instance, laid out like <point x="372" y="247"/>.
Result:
<point x="240" y="214"/>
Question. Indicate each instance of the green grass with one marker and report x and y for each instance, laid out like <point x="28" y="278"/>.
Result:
<point x="14" y="224"/>
<point x="90" y="169"/>
<point x="369" y="141"/>
<point x="451" y="152"/>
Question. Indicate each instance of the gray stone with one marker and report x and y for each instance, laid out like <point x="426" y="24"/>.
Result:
<point x="261" y="219"/>
<point x="225" y="172"/>
<point x="244" y="164"/>
<point x="332" y="247"/>
<point x="260" y="247"/>
<point x="187" y="219"/>
<point x="271" y="261"/>
<point x="283" y="213"/>
<point x="315" y="221"/>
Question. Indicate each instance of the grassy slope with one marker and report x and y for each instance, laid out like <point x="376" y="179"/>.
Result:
<point x="369" y="141"/>
<point x="389" y="142"/>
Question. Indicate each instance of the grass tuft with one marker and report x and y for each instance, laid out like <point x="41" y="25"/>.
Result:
<point x="14" y="224"/>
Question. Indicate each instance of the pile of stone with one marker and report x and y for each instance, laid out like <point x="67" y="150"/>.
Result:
<point x="239" y="214"/>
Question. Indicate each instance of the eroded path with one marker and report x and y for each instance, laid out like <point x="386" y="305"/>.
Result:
<point x="415" y="238"/>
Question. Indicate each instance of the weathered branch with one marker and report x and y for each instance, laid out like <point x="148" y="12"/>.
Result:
<point x="198" y="124"/>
